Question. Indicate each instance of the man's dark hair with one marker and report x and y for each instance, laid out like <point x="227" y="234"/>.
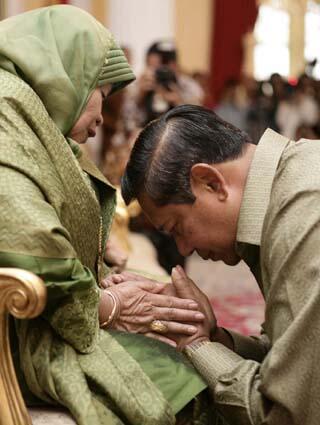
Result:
<point x="168" y="147"/>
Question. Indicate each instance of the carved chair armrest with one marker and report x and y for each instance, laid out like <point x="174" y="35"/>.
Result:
<point x="22" y="294"/>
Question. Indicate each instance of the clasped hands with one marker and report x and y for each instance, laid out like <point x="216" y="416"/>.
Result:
<point x="181" y="308"/>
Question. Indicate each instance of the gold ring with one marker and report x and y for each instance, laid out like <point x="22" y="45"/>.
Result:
<point x="158" y="326"/>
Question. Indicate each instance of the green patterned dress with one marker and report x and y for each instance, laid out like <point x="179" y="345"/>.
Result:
<point x="52" y="202"/>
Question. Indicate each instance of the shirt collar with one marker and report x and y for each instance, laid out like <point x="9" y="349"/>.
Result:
<point x="258" y="186"/>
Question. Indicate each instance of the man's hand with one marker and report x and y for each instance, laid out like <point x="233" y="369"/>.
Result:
<point x="172" y="96"/>
<point x="185" y="287"/>
<point x="206" y="330"/>
<point x="145" y="84"/>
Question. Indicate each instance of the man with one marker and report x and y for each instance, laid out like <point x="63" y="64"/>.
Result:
<point x="161" y="86"/>
<point x="203" y="181"/>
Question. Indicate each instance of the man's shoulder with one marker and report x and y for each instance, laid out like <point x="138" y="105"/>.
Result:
<point x="303" y="148"/>
<point x="296" y="184"/>
<point x="293" y="207"/>
<point x="299" y="167"/>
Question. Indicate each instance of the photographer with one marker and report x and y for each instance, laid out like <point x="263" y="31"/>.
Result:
<point x="162" y="85"/>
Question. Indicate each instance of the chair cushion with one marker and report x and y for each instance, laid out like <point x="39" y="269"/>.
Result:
<point x="50" y="416"/>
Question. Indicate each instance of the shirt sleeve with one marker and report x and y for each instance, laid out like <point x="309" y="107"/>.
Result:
<point x="250" y="347"/>
<point x="284" y="387"/>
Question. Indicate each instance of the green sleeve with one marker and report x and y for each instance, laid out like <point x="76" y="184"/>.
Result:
<point x="72" y="296"/>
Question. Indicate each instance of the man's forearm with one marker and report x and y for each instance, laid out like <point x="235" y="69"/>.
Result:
<point x="231" y="378"/>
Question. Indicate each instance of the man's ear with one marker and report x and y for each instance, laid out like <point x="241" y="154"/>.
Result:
<point x="208" y="177"/>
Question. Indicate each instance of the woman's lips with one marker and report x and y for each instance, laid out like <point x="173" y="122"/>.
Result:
<point x="91" y="133"/>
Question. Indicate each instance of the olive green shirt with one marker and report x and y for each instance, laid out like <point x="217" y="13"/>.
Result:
<point x="275" y="378"/>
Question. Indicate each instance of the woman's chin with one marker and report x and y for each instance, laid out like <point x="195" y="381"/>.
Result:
<point x="81" y="137"/>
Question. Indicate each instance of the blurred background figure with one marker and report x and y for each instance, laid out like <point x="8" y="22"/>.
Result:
<point x="233" y="106"/>
<point x="162" y="85"/>
<point x="298" y="109"/>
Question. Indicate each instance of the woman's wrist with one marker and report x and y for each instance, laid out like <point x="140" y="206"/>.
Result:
<point x="109" y="308"/>
<point x="105" y="306"/>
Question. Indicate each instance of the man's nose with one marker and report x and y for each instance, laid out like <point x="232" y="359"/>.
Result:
<point x="184" y="248"/>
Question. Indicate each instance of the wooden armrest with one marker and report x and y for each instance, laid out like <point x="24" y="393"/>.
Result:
<point x="23" y="295"/>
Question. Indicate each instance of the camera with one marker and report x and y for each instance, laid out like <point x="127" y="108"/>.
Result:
<point x="165" y="77"/>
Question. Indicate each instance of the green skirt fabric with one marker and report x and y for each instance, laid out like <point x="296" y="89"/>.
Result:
<point x="174" y="378"/>
<point x="169" y="370"/>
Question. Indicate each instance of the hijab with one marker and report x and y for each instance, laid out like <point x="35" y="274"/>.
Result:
<point x="63" y="53"/>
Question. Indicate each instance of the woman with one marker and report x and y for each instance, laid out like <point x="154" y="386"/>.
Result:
<point x="56" y="66"/>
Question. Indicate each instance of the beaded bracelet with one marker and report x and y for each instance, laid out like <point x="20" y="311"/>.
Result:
<point x="113" y="312"/>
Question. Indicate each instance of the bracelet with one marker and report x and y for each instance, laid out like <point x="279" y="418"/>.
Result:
<point x="115" y="309"/>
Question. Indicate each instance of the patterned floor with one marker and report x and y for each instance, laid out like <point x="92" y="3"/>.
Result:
<point x="233" y="291"/>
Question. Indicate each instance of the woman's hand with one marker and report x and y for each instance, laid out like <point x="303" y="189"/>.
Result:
<point x="115" y="279"/>
<point x="115" y="255"/>
<point x="144" y="300"/>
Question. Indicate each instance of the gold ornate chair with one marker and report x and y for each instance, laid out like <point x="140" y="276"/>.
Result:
<point x="23" y="295"/>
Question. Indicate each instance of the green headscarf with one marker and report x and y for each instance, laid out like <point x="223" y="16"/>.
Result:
<point x="63" y="53"/>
